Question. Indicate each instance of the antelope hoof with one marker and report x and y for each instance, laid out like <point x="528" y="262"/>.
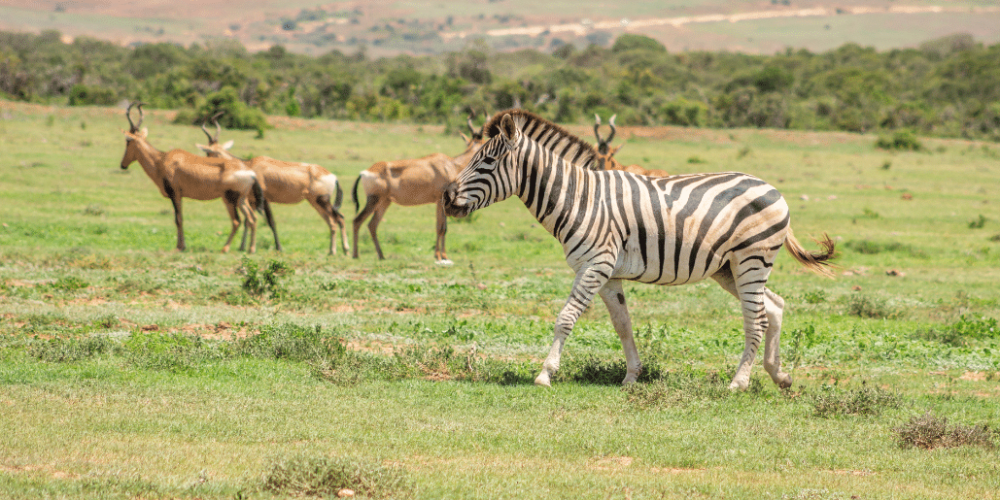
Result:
<point x="784" y="380"/>
<point x="225" y="249"/>
<point x="630" y="379"/>
<point x="444" y="262"/>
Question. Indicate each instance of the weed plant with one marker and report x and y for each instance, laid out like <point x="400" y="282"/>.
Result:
<point x="930" y="431"/>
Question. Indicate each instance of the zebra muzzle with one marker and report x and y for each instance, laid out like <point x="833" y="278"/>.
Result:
<point x="449" y="198"/>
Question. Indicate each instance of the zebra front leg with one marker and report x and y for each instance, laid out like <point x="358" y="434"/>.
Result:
<point x="614" y="299"/>
<point x="587" y="283"/>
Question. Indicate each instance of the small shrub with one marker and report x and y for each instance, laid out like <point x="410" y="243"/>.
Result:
<point x="869" y="247"/>
<point x="93" y="209"/>
<point x="977" y="328"/>
<point x="696" y="159"/>
<point x="900" y="140"/>
<point x="870" y="214"/>
<point x="978" y="223"/>
<point x="743" y="152"/>
<point x="886" y="165"/>
<point x="815" y="297"/>
<point x="867" y="401"/>
<point x="59" y="350"/>
<point x="596" y="370"/>
<point x="291" y="342"/>
<point x="867" y="306"/>
<point x="930" y="431"/>
<point x="69" y="284"/>
<point x="326" y="476"/>
<point x="258" y="283"/>
<point x="673" y="389"/>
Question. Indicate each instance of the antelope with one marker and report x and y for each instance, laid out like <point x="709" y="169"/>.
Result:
<point x="179" y="174"/>
<point x="410" y="183"/>
<point x="290" y="183"/>
<point x="605" y="160"/>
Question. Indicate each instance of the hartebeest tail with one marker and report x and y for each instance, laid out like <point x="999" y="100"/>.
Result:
<point x="354" y="196"/>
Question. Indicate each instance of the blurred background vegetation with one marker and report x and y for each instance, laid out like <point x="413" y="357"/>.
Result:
<point x="945" y="87"/>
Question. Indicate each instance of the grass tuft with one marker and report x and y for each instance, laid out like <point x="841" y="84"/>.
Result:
<point x="866" y="401"/>
<point x="930" y="431"/>
<point x="326" y="476"/>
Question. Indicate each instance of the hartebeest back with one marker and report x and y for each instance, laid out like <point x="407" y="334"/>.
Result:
<point x="179" y="174"/>
<point x="290" y="183"/>
<point x="605" y="154"/>
<point x="410" y="183"/>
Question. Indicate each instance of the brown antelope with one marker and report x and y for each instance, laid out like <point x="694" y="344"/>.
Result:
<point x="605" y="160"/>
<point x="179" y="174"/>
<point x="290" y="183"/>
<point x="410" y="183"/>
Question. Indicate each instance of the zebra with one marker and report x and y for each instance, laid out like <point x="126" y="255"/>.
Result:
<point x="617" y="226"/>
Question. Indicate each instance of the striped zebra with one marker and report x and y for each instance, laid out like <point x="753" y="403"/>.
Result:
<point x="616" y="226"/>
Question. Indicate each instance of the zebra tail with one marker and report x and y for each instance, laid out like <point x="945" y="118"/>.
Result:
<point x="354" y="195"/>
<point x="815" y="262"/>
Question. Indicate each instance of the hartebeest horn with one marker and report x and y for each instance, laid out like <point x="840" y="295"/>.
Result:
<point x="211" y="140"/>
<point x="128" y="114"/>
<point x="218" y="128"/>
<point x="597" y="132"/>
<point x="612" y="123"/>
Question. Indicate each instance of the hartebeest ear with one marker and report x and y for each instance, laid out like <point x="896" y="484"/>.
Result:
<point x="508" y="129"/>
<point x="465" y="138"/>
<point x="615" y="150"/>
<point x="204" y="148"/>
<point x="142" y="133"/>
<point x="227" y="145"/>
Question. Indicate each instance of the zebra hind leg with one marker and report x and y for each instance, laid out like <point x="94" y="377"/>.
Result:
<point x="759" y="310"/>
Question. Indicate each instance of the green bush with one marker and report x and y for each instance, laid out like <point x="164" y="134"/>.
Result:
<point x="236" y="114"/>
<point x="85" y="95"/>
<point x="904" y="140"/>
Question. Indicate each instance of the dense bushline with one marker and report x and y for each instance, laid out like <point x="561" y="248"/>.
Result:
<point x="945" y="87"/>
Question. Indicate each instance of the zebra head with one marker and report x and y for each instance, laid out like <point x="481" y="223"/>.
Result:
<point x="491" y="175"/>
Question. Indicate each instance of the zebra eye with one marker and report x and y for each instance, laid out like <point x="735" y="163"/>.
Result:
<point x="489" y="160"/>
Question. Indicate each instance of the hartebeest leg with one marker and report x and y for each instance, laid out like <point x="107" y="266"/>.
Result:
<point x="322" y="205"/>
<point x="440" y="256"/>
<point x="373" y="225"/>
<point x="360" y="219"/>
<point x="614" y="297"/>
<point x="251" y="221"/>
<point x="232" y="198"/>
<point x="179" y="221"/>
<point x="270" y="222"/>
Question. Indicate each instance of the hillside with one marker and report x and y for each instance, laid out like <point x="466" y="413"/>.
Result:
<point x="428" y="27"/>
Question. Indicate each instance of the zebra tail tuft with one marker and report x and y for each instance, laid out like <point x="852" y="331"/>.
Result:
<point x="815" y="262"/>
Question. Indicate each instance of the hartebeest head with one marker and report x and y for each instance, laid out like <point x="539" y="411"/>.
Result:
<point x="476" y="137"/>
<point x="134" y="136"/>
<point x="604" y="150"/>
<point x="214" y="149"/>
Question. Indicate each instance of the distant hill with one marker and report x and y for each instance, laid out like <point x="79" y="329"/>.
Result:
<point x="433" y="26"/>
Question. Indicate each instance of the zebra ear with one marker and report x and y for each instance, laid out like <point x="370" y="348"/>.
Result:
<point x="508" y="129"/>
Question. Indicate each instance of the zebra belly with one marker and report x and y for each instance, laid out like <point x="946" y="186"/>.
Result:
<point x="633" y="266"/>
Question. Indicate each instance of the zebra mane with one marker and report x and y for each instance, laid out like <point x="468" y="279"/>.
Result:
<point x="555" y="138"/>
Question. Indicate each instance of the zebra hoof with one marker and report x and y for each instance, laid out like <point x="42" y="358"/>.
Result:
<point x="444" y="262"/>
<point x="543" y="379"/>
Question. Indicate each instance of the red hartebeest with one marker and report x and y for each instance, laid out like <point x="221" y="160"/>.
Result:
<point x="409" y="183"/>
<point x="179" y="174"/>
<point x="605" y="154"/>
<point x="290" y="183"/>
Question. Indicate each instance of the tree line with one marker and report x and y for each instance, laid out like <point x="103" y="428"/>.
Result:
<point x="945" y="87"/>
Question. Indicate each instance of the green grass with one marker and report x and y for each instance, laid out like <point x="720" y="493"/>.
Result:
<point x="129" y="370"/>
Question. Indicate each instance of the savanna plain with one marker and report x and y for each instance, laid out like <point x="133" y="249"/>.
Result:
<point x="131" y="370"/>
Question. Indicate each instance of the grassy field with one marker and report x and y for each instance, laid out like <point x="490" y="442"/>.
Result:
<point x="129" y="370"/>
